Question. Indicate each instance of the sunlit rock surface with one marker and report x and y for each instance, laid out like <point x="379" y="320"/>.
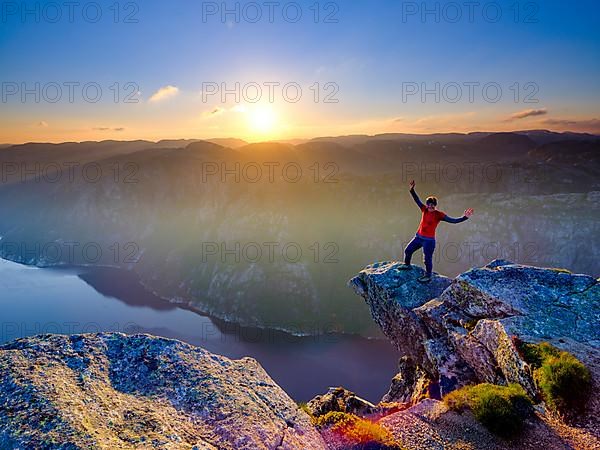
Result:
<point x="456" y="332"/>
<point x="128" y="392"/>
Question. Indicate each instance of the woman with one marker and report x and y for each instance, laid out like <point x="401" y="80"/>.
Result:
<point x="425" y="237"/>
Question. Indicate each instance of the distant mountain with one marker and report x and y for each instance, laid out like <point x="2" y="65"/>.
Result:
<point x="228" y="142"/>
<point x="198" y="214"/>
<point x="346" y="140"/>
<point x="506" y="145"/>
<point x="435" y="137"/>
<point x="176" y="143"/>
<point x="290" y="141"/>
<point x="179" y="143"/>
<point x="537" y="136"/>
<point x="544" y="136"/>
<point x="579" y="153"/>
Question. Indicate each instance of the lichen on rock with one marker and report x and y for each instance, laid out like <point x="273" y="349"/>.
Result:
<point x="116" y="391"/>
<point x="459" y="332"/>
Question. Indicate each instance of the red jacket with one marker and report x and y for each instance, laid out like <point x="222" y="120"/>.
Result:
<point x="429" y="222"/>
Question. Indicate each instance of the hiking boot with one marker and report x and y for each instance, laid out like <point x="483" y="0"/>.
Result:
<point x="424" y="279"/>
<point x="404" y="267"/>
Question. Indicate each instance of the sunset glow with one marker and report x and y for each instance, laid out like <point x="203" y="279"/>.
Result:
<point x="357" y="69"/>
<point x="262" y="121"/>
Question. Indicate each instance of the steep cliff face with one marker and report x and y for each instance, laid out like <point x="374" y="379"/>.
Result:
<point x="213" y="240"/>
<point x="453" y="333"/>
<point x="129" y="392"/>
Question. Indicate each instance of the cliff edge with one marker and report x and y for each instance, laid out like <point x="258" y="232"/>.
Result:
<point x="128" y="392"/>
<point x="452" y="333"/>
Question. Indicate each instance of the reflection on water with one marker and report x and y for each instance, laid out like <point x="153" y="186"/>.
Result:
<point x="81" y="300"/>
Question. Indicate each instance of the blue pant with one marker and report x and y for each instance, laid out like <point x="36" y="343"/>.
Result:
<point x="428" y="249"/>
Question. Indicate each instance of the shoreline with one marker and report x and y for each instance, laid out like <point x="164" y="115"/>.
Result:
<point x="224" y="325"/>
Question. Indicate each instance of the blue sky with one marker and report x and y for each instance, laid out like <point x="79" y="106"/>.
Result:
<point x="372" y="50"/>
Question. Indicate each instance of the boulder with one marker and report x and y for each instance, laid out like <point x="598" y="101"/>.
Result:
<point x="410" y="385"/>
<point x="340" y="400"/>
<point x="455" y="332"/>
<point x="392" y="295"/>
<point x="116" y="391"/>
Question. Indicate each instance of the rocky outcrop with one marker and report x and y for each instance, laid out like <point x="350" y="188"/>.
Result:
<point x="456" y="332"/>
<point x="410" y="385"/>
<point x="429" y="425"/>
<point x="382" y="285"/>
<point x="129" y="392"/>
<point x="340" y="400"/>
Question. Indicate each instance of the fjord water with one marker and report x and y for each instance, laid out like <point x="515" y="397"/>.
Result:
<point x="81" y="300"/>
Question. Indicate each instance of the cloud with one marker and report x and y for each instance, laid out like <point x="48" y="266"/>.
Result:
<point x="528" y="113"/>
<point x="164" y="93"/>
<point x="43" y="124"/>
<point x="217" y="111"/>
<point x="108" y="129"/>
<point x="455" y="122"/>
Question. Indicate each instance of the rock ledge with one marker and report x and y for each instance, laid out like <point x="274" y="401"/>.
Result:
<point x="117" y="391"/>
<point x="456" y="332"/>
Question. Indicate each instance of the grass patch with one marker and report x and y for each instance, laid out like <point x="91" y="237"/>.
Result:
<point x="536" y="354"/>
<point x="304" y="407"/>
<point x="332" y="418"/>
<point x="501" y="409"/>
<point x="558" y="269"/>
<point x="361" y="432"/>
<point x="564" y="381"/>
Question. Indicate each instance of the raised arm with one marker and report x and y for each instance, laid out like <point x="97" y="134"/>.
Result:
<point x="468" y="213"/>
<point x="415" y="196"/>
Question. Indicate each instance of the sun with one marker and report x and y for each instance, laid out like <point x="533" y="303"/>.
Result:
<point x="262" y="120"/>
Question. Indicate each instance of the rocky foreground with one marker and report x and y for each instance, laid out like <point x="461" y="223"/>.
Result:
<point x="453" y="333"/>
<point x="457" y="332"/>
<point x="112" y="391"/>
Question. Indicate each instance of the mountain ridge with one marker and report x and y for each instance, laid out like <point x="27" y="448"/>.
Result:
<point x="540" y="135"/>
<point x="538" y="207"/>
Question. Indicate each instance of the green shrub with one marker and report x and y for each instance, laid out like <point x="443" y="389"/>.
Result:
<point x="501" y="409"/>
<point x="304" y="407"/>
<point x="536" y="354"/>
<point x="333" y="417"/>
<point x="564" y="381"/>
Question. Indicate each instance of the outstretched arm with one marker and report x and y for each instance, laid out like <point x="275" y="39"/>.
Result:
<point x="454" y="220"/>
<point x="415" y="196"/>
<point x="468" y="213"/>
